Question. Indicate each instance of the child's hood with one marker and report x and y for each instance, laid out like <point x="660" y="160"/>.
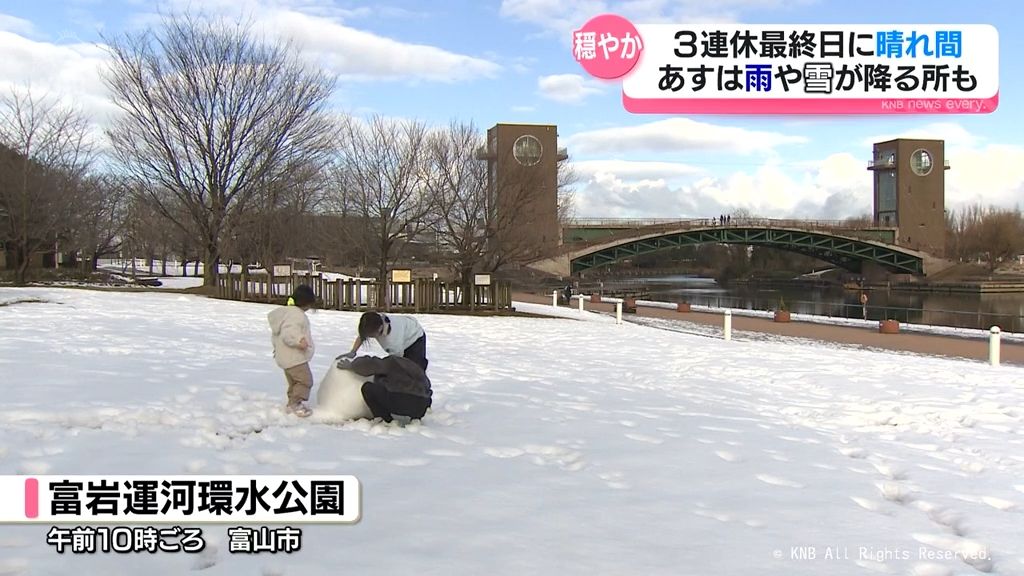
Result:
<point x="279" y="315"/>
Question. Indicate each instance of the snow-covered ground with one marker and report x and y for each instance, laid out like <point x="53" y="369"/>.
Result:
<point x="175" y="280"/>
<point x="564" y="446"/>
<point x="833" y="320"/>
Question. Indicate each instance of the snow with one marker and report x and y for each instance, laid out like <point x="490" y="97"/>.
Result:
<point x="833" y="320"/>
<point x="179" y="283"/>
<point x="339" y="397"/>
<point x="567" y="444"/>
<point x="174" y="269"/>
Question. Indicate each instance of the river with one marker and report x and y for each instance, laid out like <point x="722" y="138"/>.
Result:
<point x="980" y="311"/>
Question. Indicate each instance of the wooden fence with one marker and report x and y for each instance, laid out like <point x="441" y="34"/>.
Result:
<point x="420" y="295"/>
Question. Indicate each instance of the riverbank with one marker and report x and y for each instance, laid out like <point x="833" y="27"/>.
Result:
<point x="936" y="344"/>
<point x="967" y="287"/>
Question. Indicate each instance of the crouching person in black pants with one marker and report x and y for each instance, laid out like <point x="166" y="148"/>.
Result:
<point x="399" y="386"/>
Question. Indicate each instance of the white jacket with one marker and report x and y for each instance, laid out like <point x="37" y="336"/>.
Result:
<point x="404" y="331"/>
<point x="289" y="325"/>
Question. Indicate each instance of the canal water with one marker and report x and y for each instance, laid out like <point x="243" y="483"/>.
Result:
<point x="980" y="311"/>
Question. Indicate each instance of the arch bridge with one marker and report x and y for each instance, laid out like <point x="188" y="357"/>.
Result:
<point x="594" y="243"/>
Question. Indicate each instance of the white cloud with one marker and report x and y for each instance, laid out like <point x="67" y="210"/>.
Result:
<point x="981" y="172"/>
<point x="70" y="71"/>
<point x="567" y="88"/>
<point x="73" y="69"/>
<point x="356" y="55"/>
<point x="954" y="134"/>
<point x="635" y="169"/>
<point x="521" y="64"/>
<point x="838" y="186"/>
<point x="561" y="18"/>
<point x="362" y="55"/>
<point x="992" y="174"/>
<point x="16" y="25"/>
<point x="553" y="16"/>
<point x="678" y="134"/>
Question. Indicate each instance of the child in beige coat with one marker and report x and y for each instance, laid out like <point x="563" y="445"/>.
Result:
<point x="293" y="347"/>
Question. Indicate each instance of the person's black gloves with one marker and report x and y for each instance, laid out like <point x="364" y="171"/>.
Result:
<point x="345" y="360"/>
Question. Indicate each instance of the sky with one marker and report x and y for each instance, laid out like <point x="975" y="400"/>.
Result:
<point x="584" y="447"/>
<point x="511" y="61"/>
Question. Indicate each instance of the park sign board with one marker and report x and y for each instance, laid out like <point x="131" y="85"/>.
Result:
<point x="401" y="276"/>
<point x="794" y="69"/>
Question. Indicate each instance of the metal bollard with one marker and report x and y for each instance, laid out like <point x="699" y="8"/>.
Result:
<point x="728" y="325"/>
<point x="993" y="345"/>
<point x="580" y="302"/>
<point x="618" y="312"/>
<point x="554" y="298"/>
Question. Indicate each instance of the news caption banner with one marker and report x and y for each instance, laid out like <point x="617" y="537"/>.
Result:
<point x="794" y="69"/>
<point x="105" y="512"/>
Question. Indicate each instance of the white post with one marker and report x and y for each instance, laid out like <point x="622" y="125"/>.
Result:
<point x="993" y="346"/>
<point x="554" y="298"/>
<point x="579" y="301"/>
<point x="618" y="312"/>
<point x="728" y="325"/>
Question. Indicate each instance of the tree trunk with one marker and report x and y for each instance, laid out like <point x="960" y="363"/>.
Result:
<point x="184" y="267"/>
<point x="467" y="288"/>
<point x="195" y="269"/>
<point x="22" y="270"/>
<point x="163" y="265"/>
<point x="210" y="265"/>
<point x="94" y="262"/>
<point x="382" y="285"/>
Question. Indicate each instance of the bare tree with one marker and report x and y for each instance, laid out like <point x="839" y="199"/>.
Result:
<point x="343" y="231"/>
<point x="457" y="184"/>
<point x="381" y="177"/>
<point x="483" y="229"/>
<point x="567" y="179"/>
<point x="964" y="231"/>
<point x="210" y="114"/>
<point x="279" y="222"/>
<point x="44" y="157"/>
<point x="862" y="221"/>
<point x="1001" y="236"/>
<point x="145" y="230"/>
<point x="958" y="228"/>
<point x="522" y="197"/>
<point x="101" y="218"/>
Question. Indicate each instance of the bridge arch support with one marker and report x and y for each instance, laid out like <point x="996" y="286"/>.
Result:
<point x="843" y="251"/>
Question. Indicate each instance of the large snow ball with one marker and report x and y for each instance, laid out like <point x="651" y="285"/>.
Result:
<point x="340" y="396"/>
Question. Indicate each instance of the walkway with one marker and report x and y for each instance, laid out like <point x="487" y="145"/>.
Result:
<point x="974" y="349"/>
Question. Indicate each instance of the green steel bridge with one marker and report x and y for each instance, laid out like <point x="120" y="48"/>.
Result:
<point x="593" y="243"/>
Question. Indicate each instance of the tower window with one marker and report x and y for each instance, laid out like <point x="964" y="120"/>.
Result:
<point x="921" y="162"/>
<point x="527" y="150"/>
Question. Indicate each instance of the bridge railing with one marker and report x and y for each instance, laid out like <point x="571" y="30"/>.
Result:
<point x="634" y="226"/>
<point x="978" y="320"/>
<point x="766" y="222"/>
<point x="626" y="222"/>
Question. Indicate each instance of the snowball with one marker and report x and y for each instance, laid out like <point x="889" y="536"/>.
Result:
<point x="340" y="396"/>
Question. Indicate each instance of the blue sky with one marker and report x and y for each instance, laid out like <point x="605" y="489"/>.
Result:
<point x="511" y="61"/>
